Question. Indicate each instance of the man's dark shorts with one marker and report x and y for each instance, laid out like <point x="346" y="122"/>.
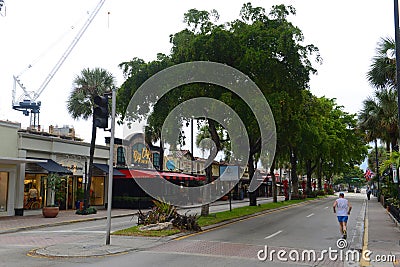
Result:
<point x="343" y="218"/>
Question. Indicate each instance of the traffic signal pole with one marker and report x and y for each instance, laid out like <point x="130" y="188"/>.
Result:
<point x="110" y="166"/>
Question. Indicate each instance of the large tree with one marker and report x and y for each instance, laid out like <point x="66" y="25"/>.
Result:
<point x="264" y="46"/>
<point x="80" y="104"/>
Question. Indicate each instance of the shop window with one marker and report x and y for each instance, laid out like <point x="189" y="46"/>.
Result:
<point x="156" y="160"/>
<point x="97" y="191"/>
<point x="120" y="156"/>
<point x="32" y="183"/>
<point x="3" y="190"/>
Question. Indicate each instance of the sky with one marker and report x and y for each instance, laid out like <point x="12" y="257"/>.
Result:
<point x="38" y="33"/>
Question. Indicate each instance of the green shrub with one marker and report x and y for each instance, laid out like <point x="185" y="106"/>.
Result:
<point x="329" y="191"/>
<point x="89" y="210"/>
<point x="298" y="196"/>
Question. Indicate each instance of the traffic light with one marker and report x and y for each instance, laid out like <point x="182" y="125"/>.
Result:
<point x="100" y="112"/>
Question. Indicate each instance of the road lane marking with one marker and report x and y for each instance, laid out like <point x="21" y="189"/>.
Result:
<point x="326" y="207"/>
<point x="309" y="215"/>
<point x="236" y="220"/>
<point x="277" y="233"/>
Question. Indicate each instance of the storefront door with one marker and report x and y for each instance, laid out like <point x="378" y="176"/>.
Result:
<point x="3" y="191"/>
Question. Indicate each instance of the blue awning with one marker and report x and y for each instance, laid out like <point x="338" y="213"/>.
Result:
<point x="52" y="166"/>
<point x="104" y="168"/>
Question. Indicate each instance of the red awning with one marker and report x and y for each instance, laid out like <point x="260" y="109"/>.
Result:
<point x="152" y="174"/>
<point x="181" y="176"/>
<point x="136" y="174"/>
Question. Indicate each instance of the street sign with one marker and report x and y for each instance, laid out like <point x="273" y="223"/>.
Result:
<point x="395" y="178"/>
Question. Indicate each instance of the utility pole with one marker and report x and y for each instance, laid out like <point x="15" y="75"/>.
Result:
<point x="110" y="166"/>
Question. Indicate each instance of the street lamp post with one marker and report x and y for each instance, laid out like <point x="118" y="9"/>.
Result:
<point x="397" y="42"/>
<point x="377" y="167"/>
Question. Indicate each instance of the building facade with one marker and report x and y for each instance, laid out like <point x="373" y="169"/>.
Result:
<point x="28" y="157"/>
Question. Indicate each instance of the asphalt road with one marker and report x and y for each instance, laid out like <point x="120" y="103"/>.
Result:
<point x="311" y="226"/>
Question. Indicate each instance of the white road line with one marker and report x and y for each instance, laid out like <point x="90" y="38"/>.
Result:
<point x="308" y="216"/>
<point x="326" y="207"/>
<point x="277" y="233"/>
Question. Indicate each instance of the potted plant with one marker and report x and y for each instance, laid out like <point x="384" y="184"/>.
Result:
<point x="79" y="196"/>
<point x="54" y="186"/>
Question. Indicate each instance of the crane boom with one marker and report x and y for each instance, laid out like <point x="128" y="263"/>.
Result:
<point x="29" y="104"/>
<point x="69" y="49"/>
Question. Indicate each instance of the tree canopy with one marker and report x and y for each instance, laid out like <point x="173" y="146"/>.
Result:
<point x="270" y="50"/>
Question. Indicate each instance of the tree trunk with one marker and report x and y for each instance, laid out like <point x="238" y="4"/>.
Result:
<point x="252" y="195"/>
<point x="274" y="197"/>
<point x="295" y="180"/>
<point x="161" y="155"/>
<point x="205" y="209"/>
<point x="309" y="169"/>
<point x="90" y="172"/>
<point x="320" y="175"/>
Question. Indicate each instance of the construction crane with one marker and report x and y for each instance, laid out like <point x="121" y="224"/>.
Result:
<point x="28" y="103"/>
<point x="2" y="8"/>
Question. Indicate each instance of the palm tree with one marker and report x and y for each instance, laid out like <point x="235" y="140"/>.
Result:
<point x="378" y="118"/>
<point x="382" y="71"/>
<point x="80" y="104"/>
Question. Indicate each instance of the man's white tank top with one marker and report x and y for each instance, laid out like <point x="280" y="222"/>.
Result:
<point x="342" y="207"/>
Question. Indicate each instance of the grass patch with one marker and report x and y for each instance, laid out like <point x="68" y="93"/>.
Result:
<point x="218" y="217"/>
<point x="134" y="231"/>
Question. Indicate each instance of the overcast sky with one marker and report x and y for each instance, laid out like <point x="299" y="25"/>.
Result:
<point x="38" y="32"/>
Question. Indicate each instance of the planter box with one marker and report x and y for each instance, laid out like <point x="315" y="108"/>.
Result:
<point x="395" y="212"/>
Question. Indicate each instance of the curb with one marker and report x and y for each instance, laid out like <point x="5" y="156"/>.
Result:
<point x="20" y="229"/>
<point x="363" y="262"/>
<point x="359" y="231"/>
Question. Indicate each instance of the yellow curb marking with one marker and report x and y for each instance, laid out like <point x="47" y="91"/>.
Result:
<point x="363" y="262"/>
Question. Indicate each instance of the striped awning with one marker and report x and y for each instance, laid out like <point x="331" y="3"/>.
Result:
<point x="133" y="173"/>
<point x="181" y="176"/>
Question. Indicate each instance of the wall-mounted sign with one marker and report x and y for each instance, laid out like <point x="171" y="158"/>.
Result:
<point x="170" y="165"/>
<point x="141" y="154"/>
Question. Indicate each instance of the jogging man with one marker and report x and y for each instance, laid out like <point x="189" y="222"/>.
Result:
<point x="343" y="211"/>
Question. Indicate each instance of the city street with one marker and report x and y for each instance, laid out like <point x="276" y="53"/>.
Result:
<point x="308" y="226"/>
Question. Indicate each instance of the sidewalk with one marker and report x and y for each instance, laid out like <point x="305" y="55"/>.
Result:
<point x="383" y="234"/>
<point x="33" y="218"/>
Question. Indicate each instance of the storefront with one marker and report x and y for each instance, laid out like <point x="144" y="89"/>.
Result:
<point x="67" y="158"/>
<point x="36" y="191"/>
